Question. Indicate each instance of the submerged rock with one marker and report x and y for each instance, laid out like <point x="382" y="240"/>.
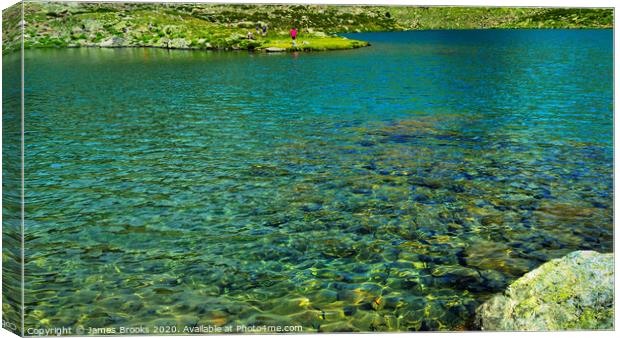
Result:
<point x="573" y="292"/>
<point x="262" y="170"/>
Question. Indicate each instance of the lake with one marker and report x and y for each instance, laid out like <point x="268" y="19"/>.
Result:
<point x="394" y="187"/>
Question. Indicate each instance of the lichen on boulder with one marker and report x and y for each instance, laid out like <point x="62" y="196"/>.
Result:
<point x="570" y="293"/>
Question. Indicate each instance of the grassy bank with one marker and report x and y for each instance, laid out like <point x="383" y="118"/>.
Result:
<point x="205" y="26"/>
<point x="500" y="17"/>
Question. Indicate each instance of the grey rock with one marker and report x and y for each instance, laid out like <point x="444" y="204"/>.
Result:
<point x="162" y="42"/>
<point x="178" y="43"/>
<point x="573" y="292"/>
<point x="113" y="42"/>
<point x="275" y="50"/>
<point x="92" y="25"/>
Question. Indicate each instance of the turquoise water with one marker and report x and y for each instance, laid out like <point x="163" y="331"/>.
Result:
<point x="394" y="187"/>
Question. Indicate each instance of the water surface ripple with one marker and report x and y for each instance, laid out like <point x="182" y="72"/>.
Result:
<point x="388" y="188"/>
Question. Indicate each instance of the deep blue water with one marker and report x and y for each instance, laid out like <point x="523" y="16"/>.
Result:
<point x="393" y="187"/>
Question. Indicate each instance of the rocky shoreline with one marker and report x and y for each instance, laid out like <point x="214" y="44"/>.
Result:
<point x="183" y="45"/>
<point x="575" y="292"/>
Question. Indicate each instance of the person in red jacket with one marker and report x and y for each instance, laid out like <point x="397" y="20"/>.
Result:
<point x="294" y="35"/>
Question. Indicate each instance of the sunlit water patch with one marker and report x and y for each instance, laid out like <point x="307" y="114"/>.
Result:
<point x="394" y="187"/>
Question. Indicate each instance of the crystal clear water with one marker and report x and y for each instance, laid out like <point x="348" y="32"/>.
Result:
<point x="388" y="188"/>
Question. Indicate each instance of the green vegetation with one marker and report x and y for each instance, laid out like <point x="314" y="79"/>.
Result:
<point x="499" y="17"/>
<point x="214" y="26"/>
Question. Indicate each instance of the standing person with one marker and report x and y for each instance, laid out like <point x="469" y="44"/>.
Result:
<point x="257" y="28"/>
<point x="294" y="36"/>
<point x="265" y="29"/>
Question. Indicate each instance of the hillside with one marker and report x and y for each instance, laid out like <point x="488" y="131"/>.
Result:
<point x="214" y="26"/>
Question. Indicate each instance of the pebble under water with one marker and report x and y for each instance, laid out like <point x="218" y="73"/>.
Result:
<point x="389" y="188"/>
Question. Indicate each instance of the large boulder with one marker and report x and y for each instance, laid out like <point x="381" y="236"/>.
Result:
<point x="573" y="292"/>
<point x="178" y="43"/>
<point x="114" y="41"/>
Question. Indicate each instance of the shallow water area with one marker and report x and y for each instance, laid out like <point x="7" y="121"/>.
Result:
<point x="390" y="188"/>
